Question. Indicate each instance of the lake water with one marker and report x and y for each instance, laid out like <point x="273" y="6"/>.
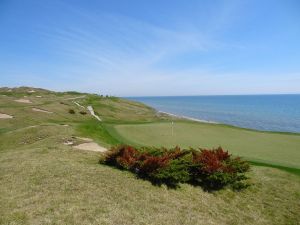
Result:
<point x="261" y="112"/>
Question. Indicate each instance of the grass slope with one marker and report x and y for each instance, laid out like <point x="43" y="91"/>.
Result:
<point x="44" y="181"/>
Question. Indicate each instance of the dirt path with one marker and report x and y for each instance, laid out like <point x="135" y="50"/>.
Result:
<point x="90" y="108"/>
<point x="76" y="103"/>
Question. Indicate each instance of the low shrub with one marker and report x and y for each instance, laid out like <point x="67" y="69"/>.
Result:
<point x="215" y="168"/>
<point x="71" y="111"/>
<point x="83" y="112"/>
<point x="211" y="169"/>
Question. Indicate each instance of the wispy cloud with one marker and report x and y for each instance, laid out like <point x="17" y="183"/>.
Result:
<point x="119" y="47"/>
<point x="107" y="51"/>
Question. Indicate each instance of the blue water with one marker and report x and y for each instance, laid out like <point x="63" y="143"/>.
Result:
<point x="261" y="112"/>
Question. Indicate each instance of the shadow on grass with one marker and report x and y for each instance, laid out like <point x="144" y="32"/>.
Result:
<point x="210" y="188"/>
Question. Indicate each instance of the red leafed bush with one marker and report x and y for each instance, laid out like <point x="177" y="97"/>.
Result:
<point x="121" y="156"/>
<point x="150" y="164"/>
<point x="212" y="169"/>
<point x="216" y="168"/>
<point x="210" y="161"/>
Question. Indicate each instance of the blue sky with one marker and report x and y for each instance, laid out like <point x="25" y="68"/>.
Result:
<point x="152" y="47"/>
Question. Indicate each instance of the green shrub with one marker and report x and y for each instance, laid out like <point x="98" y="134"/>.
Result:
<point x="214" y="169"/>
<point x="176" y="171"/>
<point x="211" y="169"/>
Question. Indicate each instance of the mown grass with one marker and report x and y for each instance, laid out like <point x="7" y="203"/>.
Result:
<point x="284" y="168"/>
<point x="97" y="131"/>
<point x="271" y="148"/>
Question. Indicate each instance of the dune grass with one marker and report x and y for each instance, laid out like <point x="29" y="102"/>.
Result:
<point x="274" y="148"/>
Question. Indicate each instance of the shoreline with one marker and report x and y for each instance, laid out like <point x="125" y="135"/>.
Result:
<point x="188" y="118"/>
<point x="213" y="122"/>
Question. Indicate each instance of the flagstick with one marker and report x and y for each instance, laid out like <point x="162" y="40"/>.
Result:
<point x="172" y="128"/>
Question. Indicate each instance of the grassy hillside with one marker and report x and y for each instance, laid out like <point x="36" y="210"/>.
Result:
<point x="44" y="181"/>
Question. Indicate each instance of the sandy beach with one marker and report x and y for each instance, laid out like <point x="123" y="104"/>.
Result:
<point x="187" y="118"/>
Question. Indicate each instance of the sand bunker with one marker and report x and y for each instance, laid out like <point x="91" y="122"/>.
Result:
<point x="38" y="96"/>
<point x="5" y="116"/>
<point x="31" y="91"/>
<point x="23" y="100"/>
<point x="41" y="110"/>
<point x="68" y="142"/>
<point x="91" y="146"/>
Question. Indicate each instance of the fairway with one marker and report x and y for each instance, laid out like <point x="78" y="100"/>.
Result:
<point x="273" y="148"/>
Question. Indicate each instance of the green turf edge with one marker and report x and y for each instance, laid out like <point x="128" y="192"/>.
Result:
<point x="97" y="131"/>
<point x="295" y="171"/>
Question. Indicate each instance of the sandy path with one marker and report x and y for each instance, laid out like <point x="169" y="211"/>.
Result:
<point x="23" y="100"/>
<point x="90" y="108"/>
<point x="41" y="110"/>
<point x="76" y="103"/>
<point x="5" y="116"/>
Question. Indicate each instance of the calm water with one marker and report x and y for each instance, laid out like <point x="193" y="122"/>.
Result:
<point x="262" y="112"/>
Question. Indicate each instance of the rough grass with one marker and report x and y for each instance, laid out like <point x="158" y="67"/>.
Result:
<point x="275" y="148"/>
<point x="49" y="183"/>
<point x="42" y="181"/>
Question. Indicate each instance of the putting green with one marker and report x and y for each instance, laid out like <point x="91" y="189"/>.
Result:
<point x="275" y="148"/>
